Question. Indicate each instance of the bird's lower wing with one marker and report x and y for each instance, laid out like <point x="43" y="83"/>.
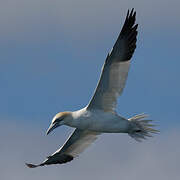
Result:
<point x="76" y="143"/>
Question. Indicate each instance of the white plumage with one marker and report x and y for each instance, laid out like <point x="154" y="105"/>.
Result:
<point x="100" y="116"/>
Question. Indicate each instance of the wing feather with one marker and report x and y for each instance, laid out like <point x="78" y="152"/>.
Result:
<point x="78" y="141"/>
<point x="116" y="67"/>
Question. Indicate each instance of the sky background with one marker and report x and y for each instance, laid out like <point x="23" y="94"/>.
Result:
<point x="51" y="57"/>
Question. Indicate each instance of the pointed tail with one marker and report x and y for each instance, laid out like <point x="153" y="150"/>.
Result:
<point x="142" y="127"/>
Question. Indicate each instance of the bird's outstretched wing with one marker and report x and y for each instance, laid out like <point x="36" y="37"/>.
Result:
<point x="76" y="143"/>
<point x="116" y="67"/>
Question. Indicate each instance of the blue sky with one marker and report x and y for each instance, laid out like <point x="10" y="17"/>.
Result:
<point x="51" y="57"/>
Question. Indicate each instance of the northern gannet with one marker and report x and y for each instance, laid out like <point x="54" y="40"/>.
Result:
<point x="100" y="115"/>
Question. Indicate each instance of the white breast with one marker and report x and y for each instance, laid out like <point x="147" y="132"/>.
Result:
<point x="99" y="121"/>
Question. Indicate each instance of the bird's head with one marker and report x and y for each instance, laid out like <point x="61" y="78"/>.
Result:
<point x="58" y="120"/>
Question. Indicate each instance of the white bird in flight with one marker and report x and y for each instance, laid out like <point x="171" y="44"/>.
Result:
<point x="100" y="115"/>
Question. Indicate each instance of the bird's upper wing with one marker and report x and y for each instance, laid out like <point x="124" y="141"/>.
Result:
<point x="116" y="67"/>
<point x="76" y="143"/>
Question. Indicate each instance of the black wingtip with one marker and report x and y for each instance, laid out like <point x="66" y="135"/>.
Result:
<point x="31" y="165"/>
<point x="127" y="36"/>
<point x="129" y="21"/>
<point x="127" y="14"/>
<point x="63" y="158"/>
<point x="132" y="10"/>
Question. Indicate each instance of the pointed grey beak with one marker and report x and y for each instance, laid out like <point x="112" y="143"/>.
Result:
<point x="52" y="127"/>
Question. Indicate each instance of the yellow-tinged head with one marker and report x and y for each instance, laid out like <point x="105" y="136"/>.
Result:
<point x="58" y="120"/>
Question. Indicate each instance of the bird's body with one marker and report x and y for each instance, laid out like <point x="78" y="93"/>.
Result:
<point x="98" y="121"/>
<point x="100" y="116"/>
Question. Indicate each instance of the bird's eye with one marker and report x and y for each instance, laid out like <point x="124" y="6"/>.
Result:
<point x="55" y="121"/>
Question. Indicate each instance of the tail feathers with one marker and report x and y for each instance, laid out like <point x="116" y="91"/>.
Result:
<point x="141" y="128"/>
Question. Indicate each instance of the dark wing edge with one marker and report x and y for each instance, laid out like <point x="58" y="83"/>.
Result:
<point x="125" y="45"/>
<point x="64" y="158"/>
<point x="59" y="157"/>
<point x="75" y="144"/>
<point x="121" y="53"/>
